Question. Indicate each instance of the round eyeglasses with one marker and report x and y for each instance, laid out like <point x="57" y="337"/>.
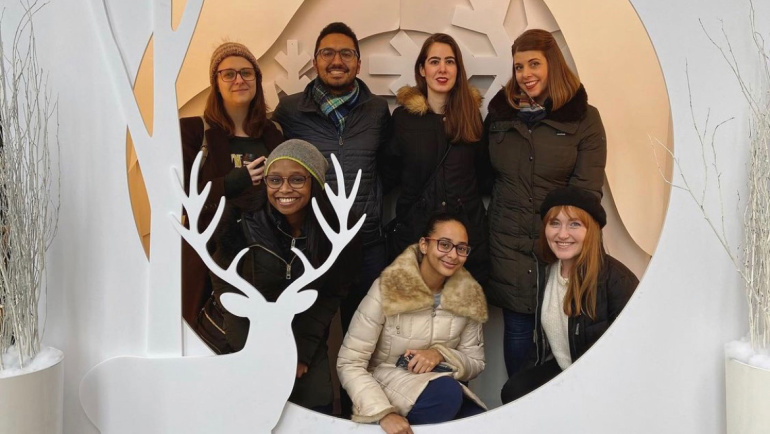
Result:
<point x="228" y="75"/>
<point x="295" y="181"/>
<point x="346" y="54"/>
<point x="445" y="246"/>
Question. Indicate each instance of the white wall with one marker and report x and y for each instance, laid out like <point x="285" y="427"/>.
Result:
<point x="659" y="369"/>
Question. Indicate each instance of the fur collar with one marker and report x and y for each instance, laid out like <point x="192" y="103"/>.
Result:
<point x="416" y="103"/>
<point x="403" y="290"/>
<point x="574" y="110"/>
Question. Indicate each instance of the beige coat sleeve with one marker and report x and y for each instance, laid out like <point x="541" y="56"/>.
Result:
<point x="370" y="404"/>
<point x="468" y="357"/>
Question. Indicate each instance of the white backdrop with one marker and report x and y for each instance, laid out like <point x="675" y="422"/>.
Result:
<point x="659" y="369"/>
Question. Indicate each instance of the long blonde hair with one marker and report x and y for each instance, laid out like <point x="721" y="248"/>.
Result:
<point x="562" y="84"/>
<point x="581" y="289"/>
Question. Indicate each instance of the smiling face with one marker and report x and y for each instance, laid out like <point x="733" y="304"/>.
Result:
<point x="289" y="201"/>
<point x="565" y="236"/>
<point x="531" y="71"/>
<point x="439" y="69"/>
<point x="337" y="74"/>
<point x="236" y="94"/>
<point x="436" y="264"/>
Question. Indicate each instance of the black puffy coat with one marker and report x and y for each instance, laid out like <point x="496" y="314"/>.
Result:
<point x="367" y="129"/>
<point x="568" y="147"/>
<point x="419" y="141"/>
<point x="615" y="286"/>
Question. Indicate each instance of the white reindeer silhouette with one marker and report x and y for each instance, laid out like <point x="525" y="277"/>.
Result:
<point x="248" y="389"/>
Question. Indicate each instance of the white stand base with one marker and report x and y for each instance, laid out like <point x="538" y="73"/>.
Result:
<point x="33" y="403"/>
<point x="747" y="397"/>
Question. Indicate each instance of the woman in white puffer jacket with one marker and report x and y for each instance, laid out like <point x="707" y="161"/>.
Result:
<point x="426" y="306"/>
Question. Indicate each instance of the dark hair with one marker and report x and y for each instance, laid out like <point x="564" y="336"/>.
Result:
<point x="562" y="82"/>
<point x="442" y="217"/>
<point x="340" y="28"/>
<point x="256" y="119"/>
<point x="463" y="120"/>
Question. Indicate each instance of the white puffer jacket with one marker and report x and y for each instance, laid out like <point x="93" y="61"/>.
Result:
<point x="397" y="314"/>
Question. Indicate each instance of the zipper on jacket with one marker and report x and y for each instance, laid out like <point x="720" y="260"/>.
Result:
<point x="538" y="337"/>
<point x="288" y="264"/>
<point x="577" y="329"/>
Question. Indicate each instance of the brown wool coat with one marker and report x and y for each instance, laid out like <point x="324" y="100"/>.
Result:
<point x="397" y="314"/>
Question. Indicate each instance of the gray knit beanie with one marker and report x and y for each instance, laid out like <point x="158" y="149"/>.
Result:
<point x="230" y="49"/>
<point x="303" y="153"/>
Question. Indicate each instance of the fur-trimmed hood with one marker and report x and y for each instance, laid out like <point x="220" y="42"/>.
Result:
<point x="404" y="290"/>
<point x="416" y="103"/>
<point x="574" y="110"/>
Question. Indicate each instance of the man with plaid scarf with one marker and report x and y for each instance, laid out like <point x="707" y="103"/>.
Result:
<point x="339" y="114"/>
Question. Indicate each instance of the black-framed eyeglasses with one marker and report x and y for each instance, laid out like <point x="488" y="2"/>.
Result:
<point x="445" y="246"/>
<point x="295" y="181"/>
<point x="247" y="74"/>
<point x="346" y="54"/>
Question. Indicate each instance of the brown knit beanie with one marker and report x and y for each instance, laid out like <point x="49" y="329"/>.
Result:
<point x="230" y="49"/>
<point x="303" y="153"/>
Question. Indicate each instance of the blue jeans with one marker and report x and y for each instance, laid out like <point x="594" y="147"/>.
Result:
<point x="442" y="401"/>
<point x="372" y="263"/>
<point x="518" y="335"/>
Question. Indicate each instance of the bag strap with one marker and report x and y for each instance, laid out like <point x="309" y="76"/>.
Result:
<point x="431" y="178"/>
<point x="204" y="143"/>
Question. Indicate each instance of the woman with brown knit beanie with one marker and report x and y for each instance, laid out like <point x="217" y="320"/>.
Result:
<point x="235" y="137"/>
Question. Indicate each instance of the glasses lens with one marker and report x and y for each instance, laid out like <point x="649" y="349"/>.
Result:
<point x="273" y="181"/>
<point x="444" y="246"/>
<point x="326" y="54"/>
<point x="347" y="54"/>
<point x="297" y="181"/>
<point x="247" y="74"/>
<point x="463" y="250"/>
<point x="227" y="74"/>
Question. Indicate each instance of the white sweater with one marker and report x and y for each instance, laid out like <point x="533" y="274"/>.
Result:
<point x="554" y="320"/>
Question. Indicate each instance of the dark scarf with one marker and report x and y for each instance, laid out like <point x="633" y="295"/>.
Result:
<point x="333" y="106"/>
<point x="530" y="112"/>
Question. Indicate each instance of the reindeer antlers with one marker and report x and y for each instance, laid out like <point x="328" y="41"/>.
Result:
<point x="342" y="205"/>
<point x="193" y="204"/>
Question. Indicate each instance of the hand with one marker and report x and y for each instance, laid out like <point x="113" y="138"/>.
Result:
<point x="256" y="170"/>
<point x="301" y="369"/>
<point x="423" y="360"/>
<point x="394" y="423"/>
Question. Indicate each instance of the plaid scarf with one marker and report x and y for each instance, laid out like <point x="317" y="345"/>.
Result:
<point x="335" y="107"/>
<point x="530" y="111"/>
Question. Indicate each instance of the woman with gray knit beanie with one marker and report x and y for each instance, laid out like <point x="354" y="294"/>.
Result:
<point x="294" y="175"/>
<point x="235" y="136"/>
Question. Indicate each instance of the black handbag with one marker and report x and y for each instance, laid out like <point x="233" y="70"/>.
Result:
<point x="397" y="229"/>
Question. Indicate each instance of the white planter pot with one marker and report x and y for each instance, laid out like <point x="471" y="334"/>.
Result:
<point x="748" y="398"/>
<point x="32" y="403"/>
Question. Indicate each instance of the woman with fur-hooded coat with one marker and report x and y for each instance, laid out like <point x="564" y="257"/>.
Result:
<point x="404" y="314"/>
<point x="422" y="134"/>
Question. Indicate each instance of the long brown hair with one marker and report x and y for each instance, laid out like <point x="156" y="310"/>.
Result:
<point x="562" y="83"/>
<point x="463" y="119"/>
<point x="581" y="289"/>
<point x="256" y="119"/>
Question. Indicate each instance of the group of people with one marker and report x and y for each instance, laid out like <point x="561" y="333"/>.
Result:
<point x="411" y="312"/>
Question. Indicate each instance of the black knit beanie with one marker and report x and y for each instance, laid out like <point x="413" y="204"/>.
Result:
<point x="577" y="197"/>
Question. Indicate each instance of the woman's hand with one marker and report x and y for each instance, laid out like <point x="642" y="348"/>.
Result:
<point x="423" y="360"/>
<point x="256" y="170"/>
<point x="301" y="369"/>
<point x="394" y="423"/>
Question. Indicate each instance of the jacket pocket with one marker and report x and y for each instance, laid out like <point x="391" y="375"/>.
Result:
<point x="210" y="326"/>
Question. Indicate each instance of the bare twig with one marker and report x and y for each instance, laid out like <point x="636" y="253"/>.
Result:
<point x="28" y="215"/>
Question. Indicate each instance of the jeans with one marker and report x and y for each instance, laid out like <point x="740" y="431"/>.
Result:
<point x="441" y="401"/>
<point x="518" y="335"/>
<point x="372" y="264"/>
